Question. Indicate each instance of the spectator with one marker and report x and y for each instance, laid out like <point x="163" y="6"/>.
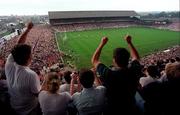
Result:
<point x="23" y="83"/>
<point x="3" y="82"/>
<point x="66" y="86"/>
<point x="151" y="76"/>
<point x="177" y="59"/>
<point x="121" y="81"/>
<point x="171" y="90"/>
<point x="91" y="100"/>
<point x="52" y="102"/>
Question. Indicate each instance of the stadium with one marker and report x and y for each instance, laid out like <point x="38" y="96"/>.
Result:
<point x="87" y="27"/>
<point x="72" y="41"/>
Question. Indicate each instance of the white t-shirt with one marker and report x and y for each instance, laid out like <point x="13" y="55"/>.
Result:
<point x="146" y="80"/>
<point x="54" y="104"/>
<point x="64" y="88"/>
<point x="23" y="83"/>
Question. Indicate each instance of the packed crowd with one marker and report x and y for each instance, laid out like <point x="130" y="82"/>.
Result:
<point x="175" y="26"/>
<point x="161" y="56"/>
<point x="140" y="86"/>
<point x="94" y="25"/>
<point x="45" y="51"/>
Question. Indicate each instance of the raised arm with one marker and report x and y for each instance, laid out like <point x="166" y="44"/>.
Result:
<point x="73" y="79"/>
<point x="95" y="58"/>
<point x="22" y="38"/>
<point x="97" y="81"/>
<point x="133" y="51"/>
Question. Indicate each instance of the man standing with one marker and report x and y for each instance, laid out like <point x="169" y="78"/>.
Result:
<point x="121" y="80"/>
<point x="91" y="100"/>
<point x="23" y="83"/>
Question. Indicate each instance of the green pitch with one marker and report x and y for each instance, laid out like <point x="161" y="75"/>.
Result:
<point x="80" y="46"/>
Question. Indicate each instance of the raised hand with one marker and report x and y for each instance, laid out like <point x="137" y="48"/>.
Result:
<point x="128" y="38"/>
<point x="22" y="38"/>
<point x="104" y="40"/>
<point x="74" y="76"/>
<point x="133" y="51"/>
<point x="29" y="25"/>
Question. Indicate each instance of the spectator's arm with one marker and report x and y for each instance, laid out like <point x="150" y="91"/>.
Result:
<point x="79" y="87"/>
<point x="22" y="38"/>
<point x="35" y="84"/>
<point x="97" y="81"/>
<point x="133" y="51"/>
<point x="43" y="86"/>
<point x="95" y="58"/>
<point x="72" y="88"/>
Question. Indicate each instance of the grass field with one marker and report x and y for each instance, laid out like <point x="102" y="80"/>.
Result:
<point x="80" y="46"/>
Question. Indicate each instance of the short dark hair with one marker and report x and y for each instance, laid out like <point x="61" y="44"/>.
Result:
<point x="177" y="59"/>
<point x="172" y="60"/>
<point x="86" y="78"/>
<point x="152" y="71"/>
<point x="67" y="76"/>
<point x="121" y="56"/>
<point x="21" y="53"/>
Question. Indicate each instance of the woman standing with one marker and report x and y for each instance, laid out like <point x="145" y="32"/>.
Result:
<point x="52" y="102"/>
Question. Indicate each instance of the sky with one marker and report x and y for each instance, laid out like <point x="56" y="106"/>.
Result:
<point x="41" y="7"/>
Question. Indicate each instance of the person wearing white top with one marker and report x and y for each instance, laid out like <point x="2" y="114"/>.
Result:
<point x="66" y="86"/>
<point x="23" y="83"/>
<point x="151" y="76"/>
<point x="51" y="101"/>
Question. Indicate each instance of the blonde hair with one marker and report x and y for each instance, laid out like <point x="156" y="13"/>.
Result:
<point x="52" y="82"/>
<point x="172" y="70"/>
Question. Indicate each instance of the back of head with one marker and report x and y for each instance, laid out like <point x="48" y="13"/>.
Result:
<point x="86" y="78"/>
<point x="21" y="53"/>
<point x="177" y="59"/>
<point x="52" y="82"/>
<point x="67" y="76"/>
<point x="172" y="60"/>
<point x="121" y="57"/>
<point x="152" y="71"/>
<point x="173" y="71"/>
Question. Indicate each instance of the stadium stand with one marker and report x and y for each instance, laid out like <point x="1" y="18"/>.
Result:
<point x="73" y="17"/>
<point x="161" y="97"/>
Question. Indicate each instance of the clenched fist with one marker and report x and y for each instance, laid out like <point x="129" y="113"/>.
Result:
<point x="128" y="38"/>
<point x="104" y="40"/>
<point x="29" y="25"/>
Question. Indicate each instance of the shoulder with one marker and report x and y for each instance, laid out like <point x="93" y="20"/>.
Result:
<point x="75" y="95"/>
<point x="10" y="59"/>
<point x="101" y="88"/>
<point x="42" y="94"/>
<point x="135" y="64"/>
<point x="31" y="72"/>
<point x="101" y="66"/>
<point x="102" y="69"/>
<point x="9" y="63"/>
<point x="135" y="67"/>
<point x="142" y="79"/>
<point x="64" y="86"/>
<point x="65" y="94"/>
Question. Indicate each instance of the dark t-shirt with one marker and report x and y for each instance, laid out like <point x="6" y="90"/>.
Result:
<point x="121" y="86"/>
